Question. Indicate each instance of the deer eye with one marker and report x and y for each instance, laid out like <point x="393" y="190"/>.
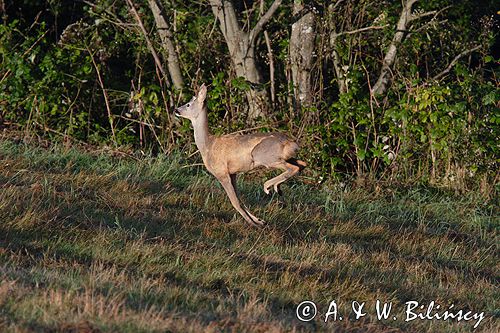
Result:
<point x="188" y="105"/>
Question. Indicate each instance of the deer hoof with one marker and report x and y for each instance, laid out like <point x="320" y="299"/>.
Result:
<point x="256" y="222"/>
<point x="260" y="223"/>
<point x="266" y="190"/>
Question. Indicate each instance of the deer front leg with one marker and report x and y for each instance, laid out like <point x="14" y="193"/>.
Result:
<point x="227" y="183"/>
<point x="253" y="217"/>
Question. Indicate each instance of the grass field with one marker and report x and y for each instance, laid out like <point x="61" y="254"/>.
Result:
<point x="95" y="243"/>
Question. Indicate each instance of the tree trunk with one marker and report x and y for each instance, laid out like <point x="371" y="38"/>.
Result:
<point x="167" y="45"/>
<point x="241" y="45"/>
<point x="301" y="55"/>
<point x="246" y="67"/>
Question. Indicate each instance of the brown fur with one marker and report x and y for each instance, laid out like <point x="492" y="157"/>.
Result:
<point x="227" y="155"/>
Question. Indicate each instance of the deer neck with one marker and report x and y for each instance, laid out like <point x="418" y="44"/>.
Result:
<point x="202" y="137"/>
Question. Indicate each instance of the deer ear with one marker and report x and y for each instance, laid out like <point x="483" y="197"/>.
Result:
<point x="202" y="94"/>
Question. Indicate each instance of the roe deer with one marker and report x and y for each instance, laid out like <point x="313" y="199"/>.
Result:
<point x="227" y="155"/>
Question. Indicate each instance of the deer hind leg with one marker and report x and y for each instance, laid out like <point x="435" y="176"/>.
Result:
<point x="290" y="170"/>
<point x="299" y="163"/>
<point x="229" y="184"/>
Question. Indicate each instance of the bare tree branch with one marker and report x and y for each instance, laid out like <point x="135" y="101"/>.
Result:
<point x="417" y="16"/>
<point x="113" y="18"/>
<point x="455" y="60"/>
<point x="271" y="66"/>
<point x="168" y="44"/>
<point x="270" y="58"/>
<point x="431" y="21"/>
<point x="263" y="21"/>
<point x="342" y="84"/>
<point x="148" y="41"/>
<point x="339" y="72"/>
<point x="104" y="93"/>
<point x="381" y="85"/>
<point x="435" y="13"/>
<point x="352" y="32"/>
<point x="332" y="7"/>
<point x="405" y="19"/>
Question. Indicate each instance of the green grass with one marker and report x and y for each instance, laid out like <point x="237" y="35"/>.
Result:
<point x="94" y="243"/>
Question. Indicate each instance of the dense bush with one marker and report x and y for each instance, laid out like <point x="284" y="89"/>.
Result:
<point x="86" y="72"/>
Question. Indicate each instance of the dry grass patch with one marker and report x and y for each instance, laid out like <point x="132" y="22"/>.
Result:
<point x="90" y="243"/>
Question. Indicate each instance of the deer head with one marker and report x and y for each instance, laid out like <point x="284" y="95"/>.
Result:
<point x="194" y="107"/>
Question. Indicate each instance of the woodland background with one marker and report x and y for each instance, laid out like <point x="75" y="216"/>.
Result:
<point x="395" y="104"/>
<point x="405" y="91"/>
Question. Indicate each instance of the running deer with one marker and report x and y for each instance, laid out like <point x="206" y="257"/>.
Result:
<point x="227" y="155"/>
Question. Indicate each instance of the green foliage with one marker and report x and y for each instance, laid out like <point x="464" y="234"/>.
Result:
<point x="226" y="94"/>
<point x="53" y="65"/>
<point x="46" y="86"/>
